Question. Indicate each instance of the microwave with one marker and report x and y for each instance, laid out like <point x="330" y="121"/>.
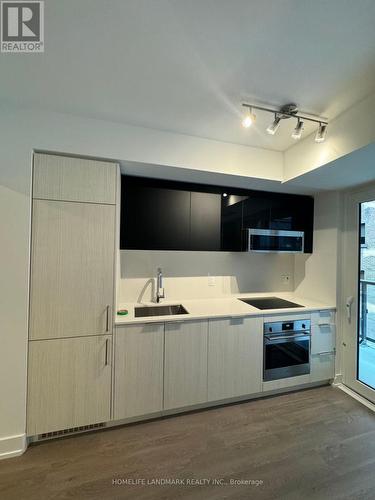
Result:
<point x="273" y="240"/>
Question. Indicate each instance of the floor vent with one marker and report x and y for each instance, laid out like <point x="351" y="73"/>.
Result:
<point x="73" y="430"/>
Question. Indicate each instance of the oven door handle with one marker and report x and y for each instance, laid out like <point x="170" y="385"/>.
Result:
<point x="289" y="337"/>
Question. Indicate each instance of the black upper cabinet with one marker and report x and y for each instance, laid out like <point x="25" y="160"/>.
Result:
<point x="166" y="215"/>
<point x="154" y="218"/>
<point x="231" y="222"/>
<point x="257" y="210"/>
<point x="205" y="221"/>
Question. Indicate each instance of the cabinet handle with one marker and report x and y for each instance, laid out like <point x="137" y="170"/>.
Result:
<point x="325" y="353"/>
<point x="107" y="320"/>
<point x="106" y="352"/>
<point x="325" y="324"/>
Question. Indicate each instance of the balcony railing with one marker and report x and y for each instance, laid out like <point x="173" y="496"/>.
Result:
<point x="367" y="313"/>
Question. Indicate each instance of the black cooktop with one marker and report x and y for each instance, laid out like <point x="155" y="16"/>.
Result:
<point x="270" y="303"/>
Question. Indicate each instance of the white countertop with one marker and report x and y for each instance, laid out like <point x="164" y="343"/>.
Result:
<point x="226" y="306"/>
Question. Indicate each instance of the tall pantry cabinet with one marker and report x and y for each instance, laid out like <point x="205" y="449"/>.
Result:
<point x="71" y="293"/>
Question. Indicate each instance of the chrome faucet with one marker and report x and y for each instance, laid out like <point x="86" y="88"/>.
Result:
<point x="159" y="286"/>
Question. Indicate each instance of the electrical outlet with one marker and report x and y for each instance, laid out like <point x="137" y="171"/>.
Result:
<point x="211" y="280"/>
<point x="285" y="279"/>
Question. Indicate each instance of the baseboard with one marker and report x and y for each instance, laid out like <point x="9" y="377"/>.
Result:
<point x="356" y="396"/>
<point x="12" y="446"/>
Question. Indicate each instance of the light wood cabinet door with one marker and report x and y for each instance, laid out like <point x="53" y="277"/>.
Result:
<point x="323" y="332"/>
<point x="322" y="367"/>
<point x="185" y="363"/>
<point x="68" y="178"/>
<point x="235" y="357"/>
<point x="138" y="387"/>
<point x="72" y="269"/>
<point x="69" y="383"/>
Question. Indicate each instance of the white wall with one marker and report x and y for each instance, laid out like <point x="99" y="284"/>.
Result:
<point x="186" y="274"/>
<point x="350" y="131"/>
<point x="20" y="133"/>
<point x="315" y="275"/>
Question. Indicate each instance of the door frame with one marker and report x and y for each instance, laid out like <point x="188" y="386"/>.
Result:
<point x="350" y="287"/>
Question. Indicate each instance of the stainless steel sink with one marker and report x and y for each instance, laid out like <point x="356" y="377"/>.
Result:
<point x="164" y="310"/>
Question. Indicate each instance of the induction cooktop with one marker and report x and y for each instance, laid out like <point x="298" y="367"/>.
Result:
<point x="270" y="303"/>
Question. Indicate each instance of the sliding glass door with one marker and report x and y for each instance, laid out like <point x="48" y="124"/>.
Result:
<point x="359" y="293"/>
<point x="366" y="324"/>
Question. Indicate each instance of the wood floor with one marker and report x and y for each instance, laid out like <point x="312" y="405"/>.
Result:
<point x="315" y="444"/>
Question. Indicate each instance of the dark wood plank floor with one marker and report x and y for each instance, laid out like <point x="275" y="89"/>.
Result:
<point x="314" y="444"/>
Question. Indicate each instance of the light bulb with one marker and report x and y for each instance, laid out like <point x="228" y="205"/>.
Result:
<point x="321" y="133"/>
<point x="298" y="130"/>
<point x="248" y="119"/>
<point x="272" y="128"/>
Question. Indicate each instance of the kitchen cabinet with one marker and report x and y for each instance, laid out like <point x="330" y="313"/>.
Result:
<point x="235" y="347"/>
<point x="257" y="210"/>
<point x="323" y="332"/>
<point x="71" y="293"/>
<point x="205" y="221"/>
<point x="69" y="383"/>
<point x="322" y="367"/>
<point x="231" y="222"/>
<point x="185" y="363"/>
<point x="167" y="215"/>
<point x="72" y="269"/>
<point x="67" y="178"/>
<point x="323" y="342"/>
<point x="154" y="217"/>
<point x="138" y="381"/>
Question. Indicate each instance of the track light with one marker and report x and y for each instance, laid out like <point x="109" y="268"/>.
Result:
<point x="297" y="132"/>
<point x="284" y="113"/>
<point x="272" y="128"/>
<point x="321" y="133"/>
<point x="249" y="118"/>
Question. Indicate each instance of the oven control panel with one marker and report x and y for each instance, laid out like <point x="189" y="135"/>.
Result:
<point x="281" y="327"/>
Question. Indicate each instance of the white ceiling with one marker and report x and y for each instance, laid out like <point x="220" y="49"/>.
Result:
<point x="186" y="65"/>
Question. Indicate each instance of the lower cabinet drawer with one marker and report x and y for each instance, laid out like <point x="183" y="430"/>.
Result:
<point x="69" y="383"/>
<point x="322" y="367"/>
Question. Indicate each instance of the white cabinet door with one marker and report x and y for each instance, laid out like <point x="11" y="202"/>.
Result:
<point x="72" y="269"/>
<point x="323" y="332"/>
<point x="68" y="178"/>
<point x="138" y="387"/>
<point x="322" y="367"/>
<point x="69" y="383"/>
<point x="235" y="357"/>
<point x="185" y="363"/>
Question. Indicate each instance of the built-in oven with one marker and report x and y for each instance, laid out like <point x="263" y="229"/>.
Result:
<point x="286" y="349"/>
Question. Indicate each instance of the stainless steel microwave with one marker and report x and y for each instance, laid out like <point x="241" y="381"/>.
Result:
<point x="274" y="240"/>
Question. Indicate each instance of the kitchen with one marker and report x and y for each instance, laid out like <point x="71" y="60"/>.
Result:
<point x="183" y="312"/>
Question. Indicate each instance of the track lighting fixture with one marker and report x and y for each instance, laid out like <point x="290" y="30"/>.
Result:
<point x="284" y="113"/>
<point x="297" y="132"/>
<point x="249" y="118"/>
<point x="321" y="132"/>
<point x="272" y="128"/>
